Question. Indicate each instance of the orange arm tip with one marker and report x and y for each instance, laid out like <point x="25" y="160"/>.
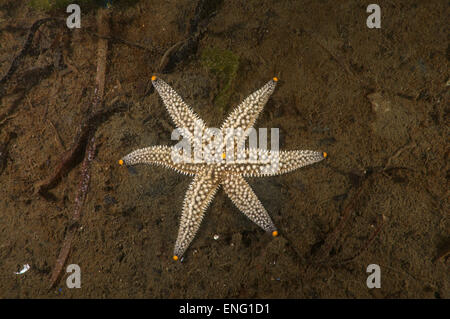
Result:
<point x="324" y="155"/>
<point x="275" y="79"/>
<point x="153" y="77"/>
<point x="120" y="162"/>
<point x="175" y="258"/>
<point x="274" y="233"/>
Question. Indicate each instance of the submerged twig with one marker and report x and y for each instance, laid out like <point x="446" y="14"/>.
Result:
<point x="181" y="50"/>
<point x="88" y="143"/>
<point x="26" y="47"/>
<point x="332" y="238"/>
<point x="151" y="50"/>
<point x="4" y="151"/>
<point x="322" y="257"/>
<point x="79" y="201"/>
<point x="366" y="244"/>
<point x="72" y="157"/>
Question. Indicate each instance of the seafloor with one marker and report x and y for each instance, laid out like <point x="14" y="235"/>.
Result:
<point x="376" y="100"/>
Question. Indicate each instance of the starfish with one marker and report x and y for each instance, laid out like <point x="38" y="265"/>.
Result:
<point x="211" y="170"/>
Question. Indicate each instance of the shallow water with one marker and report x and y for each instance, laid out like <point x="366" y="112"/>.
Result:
<point x="373" y="99"/>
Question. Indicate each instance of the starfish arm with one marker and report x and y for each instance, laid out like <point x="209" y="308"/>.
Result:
<point x="162" y="155"/>
<point x="260" y="163"/>
<point x="182" y="115"/>
<point x="198" y="197"/>
<point x="242" y="195"/>
<point x="244" y="116"/>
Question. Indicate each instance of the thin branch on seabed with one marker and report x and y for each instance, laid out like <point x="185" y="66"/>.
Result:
<point x="79" y="201"/>
<point x="25" y="49"/>
<point x="103" y="16"/>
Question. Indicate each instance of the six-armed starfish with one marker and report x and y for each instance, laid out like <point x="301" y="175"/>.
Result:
<point x="212" y="170"/>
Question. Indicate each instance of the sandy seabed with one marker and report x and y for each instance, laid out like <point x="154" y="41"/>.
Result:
<point x="373" y="99"/>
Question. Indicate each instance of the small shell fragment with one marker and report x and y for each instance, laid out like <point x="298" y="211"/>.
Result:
<point x="216" y="237"/>
<point x="25" y="268"/>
